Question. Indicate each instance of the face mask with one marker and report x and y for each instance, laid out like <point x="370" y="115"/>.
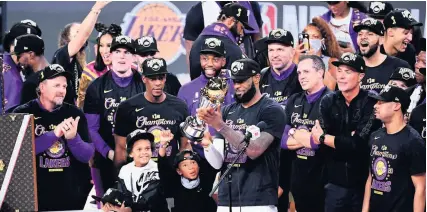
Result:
<point x="315" y="44"/>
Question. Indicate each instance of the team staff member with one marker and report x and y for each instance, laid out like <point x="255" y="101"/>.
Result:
<point x="399" y="26"/>
<point x="152" y="111"/>
<point x="301" y="111"/>
<point x="403" y="78"/>
<point x="232" y="20"/>
<point x="255" y="181"/>
<point x="418" y="91"/>
<point x="12" y="73"/>
<point x="379" y="67"/>
<point x="212" y="60"/>
<point x="346" y="121"/>
<point x="103" y="97"/>
<point x="280" y="80"/>
<point x="62" y="144"/>
<point x="146" y="47"/>
<point x="397" y="179"/>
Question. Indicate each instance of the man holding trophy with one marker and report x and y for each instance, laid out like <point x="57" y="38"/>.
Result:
<point x="204" y="89"/>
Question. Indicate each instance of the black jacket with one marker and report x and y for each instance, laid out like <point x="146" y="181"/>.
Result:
<point x="188" y="200"/>
<point x="347" y="165"/>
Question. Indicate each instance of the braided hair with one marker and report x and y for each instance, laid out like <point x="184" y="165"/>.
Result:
<point x="113" y="30"/>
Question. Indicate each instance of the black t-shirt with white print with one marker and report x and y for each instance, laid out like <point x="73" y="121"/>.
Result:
<point x="306" y="162"/>
<point x="103" y="97"/>
<point x="280" y="90"/>
<point x="394" y="159"/>
<point x="257" y="180"/>
<point x="138" y="113"/>
<point x="409" y="55"/>
<point x="63" y="182"/>
<point x="418" y="120"/>
<point x="376" y="78"/>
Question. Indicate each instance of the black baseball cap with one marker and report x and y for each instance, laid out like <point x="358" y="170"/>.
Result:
<point x="213" y="45"/>
<point x="29" y="43"/>
<point x="21" y="28"/>
<point x="181" y="157"/>
<point x="244" y="68"/>
<point x="53" y="71"/>
<point x="280" y="36"/>
<point x="353" y="60"/>
<point x="400" y="18"/>
<point x="137" y="135"/>
<point x="123" y="41"/>
<point x="405" y="75"/>
<point x="372" y="25"/>
<point x="239" y="12"/>
<point x="154" y="66"/>
<point x="379" y="9"/>
<point x="146" y="44"/>
<point x="393" y="94"/>
<point x="422" y="44"/>
<point x="114" y="197"/>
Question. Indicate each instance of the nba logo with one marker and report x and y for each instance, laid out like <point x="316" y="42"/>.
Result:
<point x="269" y="17"/>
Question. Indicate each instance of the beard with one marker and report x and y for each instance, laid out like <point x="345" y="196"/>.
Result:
<point x="371" y="50"/>
<point x="246" y="97"/>
<point x="234" y="31"/>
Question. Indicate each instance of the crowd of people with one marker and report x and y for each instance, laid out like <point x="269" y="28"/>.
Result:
<point x="333" y="122"/>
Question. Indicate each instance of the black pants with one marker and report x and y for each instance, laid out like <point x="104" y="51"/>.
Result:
<point x="309" y="199"/>
<point x="340" y="199"/>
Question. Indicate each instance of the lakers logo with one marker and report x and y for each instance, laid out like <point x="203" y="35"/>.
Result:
<point x="162" y="20"/>
<point x="156" y="130"/>
<point x="56" y="150"/>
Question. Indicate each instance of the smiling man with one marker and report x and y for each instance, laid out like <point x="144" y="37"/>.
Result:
<point x="61" y="145"/>
<point x="152" y="111"/>
<point x="379" y="67"/>
<point x="103" y="96"/>
<point x="399" y="26"/>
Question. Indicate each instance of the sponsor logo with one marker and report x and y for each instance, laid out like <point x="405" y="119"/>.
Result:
<point x="269" y="17"/>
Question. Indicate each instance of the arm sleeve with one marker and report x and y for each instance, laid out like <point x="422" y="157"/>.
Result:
<point x="416" y="154"/>
<point x="289" y="104"/>
<point x="168" y="176"/>
<point x="257" y="13"/>
<point x="93" y="124"/>
<point x="62" y="58"/>
<point x="81" y="150"/>
<point x="45" y="141"/>
<point x="194" y="23"/>
<point x="122" y="121"/>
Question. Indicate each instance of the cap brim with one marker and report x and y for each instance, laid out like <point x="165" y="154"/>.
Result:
<point x="239" y="77"/>
<point x="376" y="96"/>
<point x="269" y="41"/>
<point x="146" y="50"/>
<point x="211" y="51"/>
<point x="416" y="23"/>
<point x="338" y="63"/>
<point x="247" y="26"/>
<point x="155" y="73"/>
<point x="360" y="27"/>
<point x="129" y="48"/>
<point x="143" y="136"/>
<point x="98" y="199"/>
<point x="376" y="16"/>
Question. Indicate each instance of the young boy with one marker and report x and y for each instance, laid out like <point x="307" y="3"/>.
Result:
<point x="141" y="176"/>
<point x="188" y="180"/>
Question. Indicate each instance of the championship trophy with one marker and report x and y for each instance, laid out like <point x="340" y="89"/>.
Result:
<point x="213" y="94"/>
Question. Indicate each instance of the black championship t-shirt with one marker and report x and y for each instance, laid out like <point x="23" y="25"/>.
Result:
<point x="409" y="55"/>
<point x="103" y="97"/>
<point x="256" y="179"/>
<point x="63" y="182"/>
<point x="306" y="162"/>
<point x="394" y="159"/>
<point x="376" y="78"/>
<point x="138" y="113"/>
<point x="418" y="120"/>
<point x="280" y="90"/>
<point x="71" y="65"/>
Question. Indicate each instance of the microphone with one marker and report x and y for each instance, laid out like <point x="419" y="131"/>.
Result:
<point x="254" y="132"/>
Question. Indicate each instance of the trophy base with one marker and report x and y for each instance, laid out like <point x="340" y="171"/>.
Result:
<point x="190" y="132"/>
